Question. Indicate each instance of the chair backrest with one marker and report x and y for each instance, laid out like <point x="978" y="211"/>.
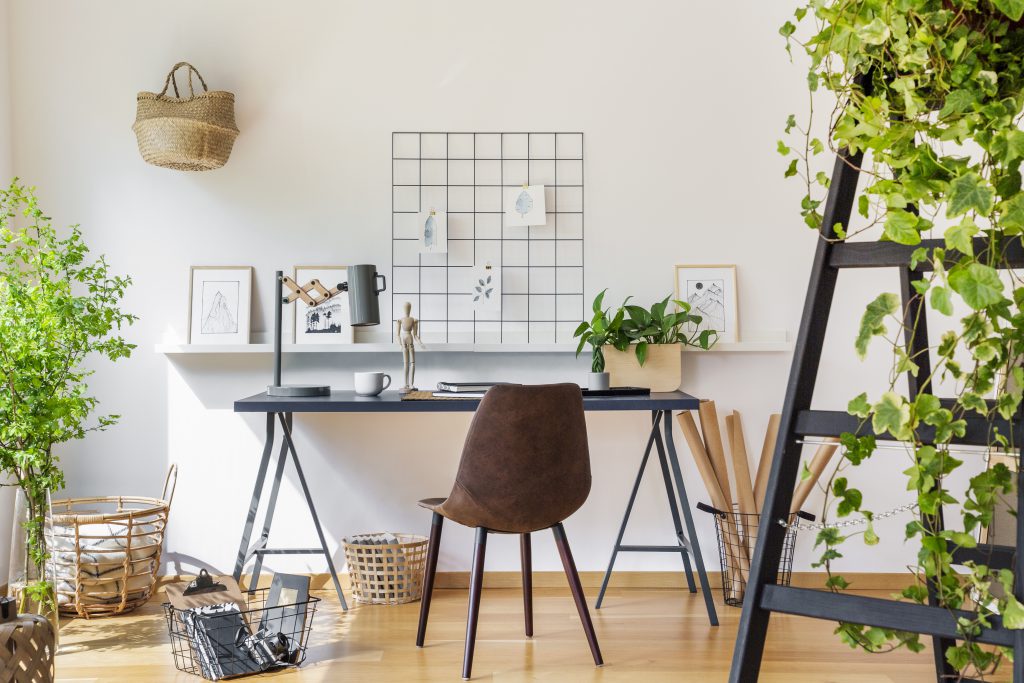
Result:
<point x="526" y="464"/>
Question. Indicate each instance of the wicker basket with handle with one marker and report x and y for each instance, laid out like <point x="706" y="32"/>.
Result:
<point x="193" y="133"/>
<point x="105" y="551"/>
<point x="386" y="573"/>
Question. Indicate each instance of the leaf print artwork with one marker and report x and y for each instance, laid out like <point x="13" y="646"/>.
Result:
<point x="429" y="231"/>
<point x="524" y="203"/>
<point x="485" y="288"/>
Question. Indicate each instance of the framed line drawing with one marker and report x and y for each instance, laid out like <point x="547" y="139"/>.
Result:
<point x="330" y="322"/>
<point x="220" y="302"/>
<point x="711" y="291"/>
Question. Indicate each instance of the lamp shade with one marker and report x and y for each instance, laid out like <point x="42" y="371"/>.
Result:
<point x="362" y="294"/>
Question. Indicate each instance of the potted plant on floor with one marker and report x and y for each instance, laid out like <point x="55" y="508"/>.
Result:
<point x="932" y="92"/>
<point x="646" y="350"/>
<point x="601" y="331"/>
<point x="58" y="310"/>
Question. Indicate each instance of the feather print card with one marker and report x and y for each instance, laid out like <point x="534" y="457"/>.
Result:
<point x="524" y="205"/>
<point x="433" y="232"/>
<point x="485" y="288"/>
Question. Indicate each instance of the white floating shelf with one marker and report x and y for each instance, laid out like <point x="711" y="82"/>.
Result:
<point x="184" y="349"/>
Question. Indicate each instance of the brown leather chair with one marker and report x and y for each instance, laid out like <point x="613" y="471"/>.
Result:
<point x="525" y="467"/>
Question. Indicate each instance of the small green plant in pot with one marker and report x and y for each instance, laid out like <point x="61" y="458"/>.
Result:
<point x="58" y="310"/>
<point x="602" y="330"/>
<point x="649" y="340"/>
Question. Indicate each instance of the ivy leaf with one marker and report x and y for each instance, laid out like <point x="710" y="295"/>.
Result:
<point x="875" y="32"/>
<point x="1014" y="9"/>
<point x="892" y="414"/>
<point x="1012" y="213"/>
<point x="969" y="192"/>
<point x="941" y="301"/>
<point x="1012" y="613"/>
<point x="959" y="236"/>
<point x="979" y="285"/>
<point x="860" y="406"/>
<point x="870" y="537"/>
<point x="901" y="227"/>
<point x="871" y="323"/>
<point x="957" y="102"/>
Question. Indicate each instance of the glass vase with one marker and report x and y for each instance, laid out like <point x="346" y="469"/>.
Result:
<point x="23" y="572"/>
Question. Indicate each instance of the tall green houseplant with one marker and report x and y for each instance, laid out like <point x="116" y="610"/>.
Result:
<point x="932" y="92"/>
<point x="58" y="308"/>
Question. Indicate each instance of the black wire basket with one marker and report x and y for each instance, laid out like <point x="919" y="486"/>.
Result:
<point x="737" y="537"/>
<point x="225" y="641"/>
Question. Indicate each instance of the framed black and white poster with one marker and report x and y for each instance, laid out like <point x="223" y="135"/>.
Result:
<point x="711" y="293"/>
<point x="329" y="322"/>
<point x="220" y="300"/>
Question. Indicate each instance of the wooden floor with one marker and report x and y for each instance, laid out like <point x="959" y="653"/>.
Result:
<point x="646" y="635"/>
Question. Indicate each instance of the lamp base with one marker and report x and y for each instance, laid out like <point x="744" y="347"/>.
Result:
<point x="298" y="390"/>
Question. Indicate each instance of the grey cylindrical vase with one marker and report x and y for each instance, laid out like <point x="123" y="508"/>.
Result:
<point x="598" y="381"/>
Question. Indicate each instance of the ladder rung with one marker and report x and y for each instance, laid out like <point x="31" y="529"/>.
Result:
<point x="858" y="609"/>
<point x="994" y="556"/>
<point x="837" y="422"/>
<point x="892" y="255"/>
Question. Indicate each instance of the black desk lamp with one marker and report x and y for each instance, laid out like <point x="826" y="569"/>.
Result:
<point x="363" y="306"/>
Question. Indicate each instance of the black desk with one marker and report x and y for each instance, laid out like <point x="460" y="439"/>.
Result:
<point x="281" y="411"/>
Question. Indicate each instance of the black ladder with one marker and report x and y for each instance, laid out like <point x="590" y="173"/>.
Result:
<point x="763" y="596"/>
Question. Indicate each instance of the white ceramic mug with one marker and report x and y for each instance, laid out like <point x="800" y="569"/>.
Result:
<point x="371" y="383"/>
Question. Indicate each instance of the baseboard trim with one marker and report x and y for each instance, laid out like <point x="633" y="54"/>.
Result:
<point x="880" y="581"/>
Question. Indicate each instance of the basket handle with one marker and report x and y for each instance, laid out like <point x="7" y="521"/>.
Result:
<point x="171" y="80"/>
<point x="172" y="481"/>
<point x="704" y="507"/>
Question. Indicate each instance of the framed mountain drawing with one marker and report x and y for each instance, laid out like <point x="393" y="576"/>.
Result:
<point x="711" y="293"/>
<point x="220" y="300"/>
<point x="329" y="322"/>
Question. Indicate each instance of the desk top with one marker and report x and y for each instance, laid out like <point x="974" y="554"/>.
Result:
<point x="391" y="402"/>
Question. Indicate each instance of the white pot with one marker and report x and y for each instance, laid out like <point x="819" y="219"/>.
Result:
<point x="598" y="381"/>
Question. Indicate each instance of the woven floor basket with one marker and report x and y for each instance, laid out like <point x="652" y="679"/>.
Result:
<point x="105" y="552"/>
<point x="27" y="649"/>
<point x="193" y="133"/>
<point x="389" y="574"/>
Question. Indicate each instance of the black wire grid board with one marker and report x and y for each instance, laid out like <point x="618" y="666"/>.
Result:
<point x="467" y="175"/>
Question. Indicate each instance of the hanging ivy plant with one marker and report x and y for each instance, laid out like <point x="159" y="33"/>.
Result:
<point x="931" y="93"/>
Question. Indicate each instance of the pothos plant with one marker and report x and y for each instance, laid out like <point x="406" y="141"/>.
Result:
<point x="636" y="327"/>
<point x="931" y="93"/>
<point x="58" y="308"/>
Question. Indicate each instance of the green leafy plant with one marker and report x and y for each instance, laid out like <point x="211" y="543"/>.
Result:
<point x="642" y="327"/>
<point x="57" y="309"/>
<point x="931" y="92"/>
<point x="659" y="325"/>
<point x="602" y="330"/>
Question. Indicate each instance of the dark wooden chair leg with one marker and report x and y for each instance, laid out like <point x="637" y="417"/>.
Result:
<point x="577" y="591"/>
<point x="476" y="584"/>
<point x="526" y="553"/>
<point x="428" y="579"/>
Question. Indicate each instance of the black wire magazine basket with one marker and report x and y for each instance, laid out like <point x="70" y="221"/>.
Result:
<point x="737" y="536"/>
<point x="224" y="641"/>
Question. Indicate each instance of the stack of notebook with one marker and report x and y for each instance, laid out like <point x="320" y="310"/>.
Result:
<point x="464" y="389"/>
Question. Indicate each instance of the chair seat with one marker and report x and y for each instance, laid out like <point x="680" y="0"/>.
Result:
<point x="431" y="503"/>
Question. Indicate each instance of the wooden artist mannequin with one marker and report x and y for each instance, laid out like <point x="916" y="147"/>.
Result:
<point x="407" y="329"/>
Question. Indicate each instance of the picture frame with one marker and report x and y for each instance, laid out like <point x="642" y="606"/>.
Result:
<point x="712" y="292"/>
<point x="219" y="304"/>
<point x="328" y="323"/>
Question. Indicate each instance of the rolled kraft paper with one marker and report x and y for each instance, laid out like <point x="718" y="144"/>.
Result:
<point x="740" y="464"/>
<point x="818" y="464"/>
<point x="713" y="442"/>
<point x="764" y="465"/>
<point x="700" y="457"/>
<point x="707" y="473"/>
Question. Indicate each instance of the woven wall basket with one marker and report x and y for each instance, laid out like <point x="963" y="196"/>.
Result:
<point x="105" y="552"/>
<point x="193" y="133"/>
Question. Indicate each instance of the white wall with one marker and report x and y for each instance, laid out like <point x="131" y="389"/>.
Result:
<point x="6" y="170"/>
<point x="680" y="124"/>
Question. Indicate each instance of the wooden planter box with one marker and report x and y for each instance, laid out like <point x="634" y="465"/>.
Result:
<point x="661" y="372"/>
